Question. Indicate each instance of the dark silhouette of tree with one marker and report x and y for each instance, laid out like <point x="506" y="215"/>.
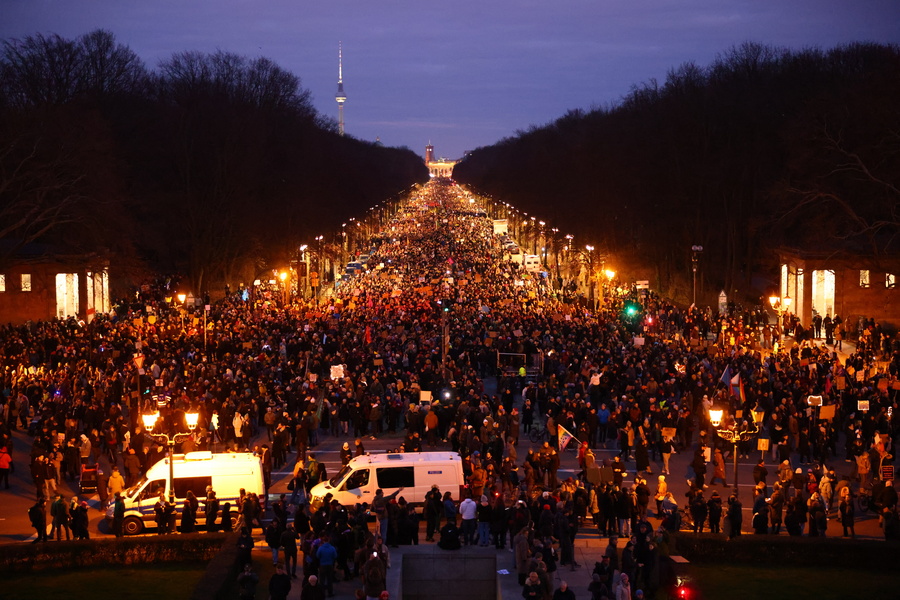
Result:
<point x="214" y="165"/>
<point x="734" y="156"/>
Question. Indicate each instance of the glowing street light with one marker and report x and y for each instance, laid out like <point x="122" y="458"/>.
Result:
<point x="150" y="421"/>
<point x="735" y="432"/>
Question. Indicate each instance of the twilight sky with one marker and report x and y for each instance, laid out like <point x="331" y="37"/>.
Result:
<point x="461" y="74"/>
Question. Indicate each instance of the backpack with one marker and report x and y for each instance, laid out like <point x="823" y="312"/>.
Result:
<point x="34" y="513"/>
<point x="373" y="576"/>
<point x="273" y="538"/>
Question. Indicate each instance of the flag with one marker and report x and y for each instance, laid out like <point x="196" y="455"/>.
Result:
<point x="564" y="437"/>
<point x="726" y="376"/>
<point x="737" y="387"/>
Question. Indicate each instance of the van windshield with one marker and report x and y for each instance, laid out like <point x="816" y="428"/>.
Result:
<point x="337" y="479"/>
<point x="130" y="492"/>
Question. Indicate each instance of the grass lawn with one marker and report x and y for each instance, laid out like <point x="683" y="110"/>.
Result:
<point x="173" y="582"/>
<point x="772" y="583"/>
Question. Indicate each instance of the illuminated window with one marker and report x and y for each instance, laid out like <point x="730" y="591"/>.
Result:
<point x="890" y="280"/>
<point x="864" y="278"/>
<point x="2" y="283"/>
<point x="26" y="282"/>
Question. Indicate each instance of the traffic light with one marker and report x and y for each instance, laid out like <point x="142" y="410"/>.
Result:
<point x="632" y="309"/>
<point x="445" y="305"/>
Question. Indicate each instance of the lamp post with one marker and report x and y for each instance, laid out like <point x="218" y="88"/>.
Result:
<point x="284" y="287"/>
<point x="590" y="250"/>
<point x="695" y="259"/>
<point x="735" y="433"/>
<point x="181" y="299"/>
<point x="780" y="305"/>
<point x="609" y="277"/>
<point x="150" y="421"/>
<point x="318" y="270"/>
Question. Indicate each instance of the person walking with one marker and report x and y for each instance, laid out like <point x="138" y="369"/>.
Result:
<point x="735" y="516"/>
<point x="699" y="511"/>
<point x="374" y="576"/>
<point x="161" y="510"/>
<point x="132" y="467"/>
<point x="59" y="512"/>
<point x="719" y="468"/>
<point x="80" y="521"/>
<point x="189" y="513"/>
<point x="38" y="518"/>
<point x="532" y="588"/>
<point x="714" y="512"/>
<point x="288" y="543"/>
<point x="279" y="584"/>
<point x="273" y="539"/>
<point x="484" y="515"/>
<point x="847" y="512"/>
<point x="379" y="507"/>
<point x="119" y="516"/>
<point x="433" y="509"/>
<point x="5" y="464"/>
<point x="327" y="555"/>
<point x="211" y="507"/>
<point x="522" y="550"/>
<point x="667" y="447"/>
<point x="468" y="510"/>
<point x="247" y="582"/>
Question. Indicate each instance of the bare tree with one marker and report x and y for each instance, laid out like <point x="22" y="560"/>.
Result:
<point x="39" y="190"/>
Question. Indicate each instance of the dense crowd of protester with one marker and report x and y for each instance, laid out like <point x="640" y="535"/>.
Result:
<point x="275" y="377"/>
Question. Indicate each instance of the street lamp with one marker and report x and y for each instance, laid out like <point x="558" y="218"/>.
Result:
<point x="150" y="421"/>
<point x="695" y="258"/>
<point x="781" y="305"/>
<point x="181" y="299"/>
<point x="590" y="250"/>
<point x="319" y="261"/>
<point x="284" y="286"/>
<point x="735" y="432"/>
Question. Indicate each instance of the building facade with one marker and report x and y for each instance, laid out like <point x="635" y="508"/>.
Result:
<point x="39" y="285"/>
<point x="853" y="287"/>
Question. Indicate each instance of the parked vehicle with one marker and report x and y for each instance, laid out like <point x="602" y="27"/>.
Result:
<point x="226" y="473"/>
<point x="415" y="472"/>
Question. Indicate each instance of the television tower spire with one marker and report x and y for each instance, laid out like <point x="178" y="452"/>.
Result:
<point x="340" y="97"/>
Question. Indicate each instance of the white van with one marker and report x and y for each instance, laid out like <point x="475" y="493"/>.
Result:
<point x="415" y="472"/>
<point x="226" y="473"/>
<point x="532" y="263"/>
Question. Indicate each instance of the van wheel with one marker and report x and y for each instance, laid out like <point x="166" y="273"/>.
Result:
<point x="132" y="526"/>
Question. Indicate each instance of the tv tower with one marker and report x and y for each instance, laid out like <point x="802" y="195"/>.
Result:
<point x="340" y="97"/>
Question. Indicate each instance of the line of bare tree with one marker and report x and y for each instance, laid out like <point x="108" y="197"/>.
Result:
<point x="213" y="165"/>
<point x="763" y="148"/>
